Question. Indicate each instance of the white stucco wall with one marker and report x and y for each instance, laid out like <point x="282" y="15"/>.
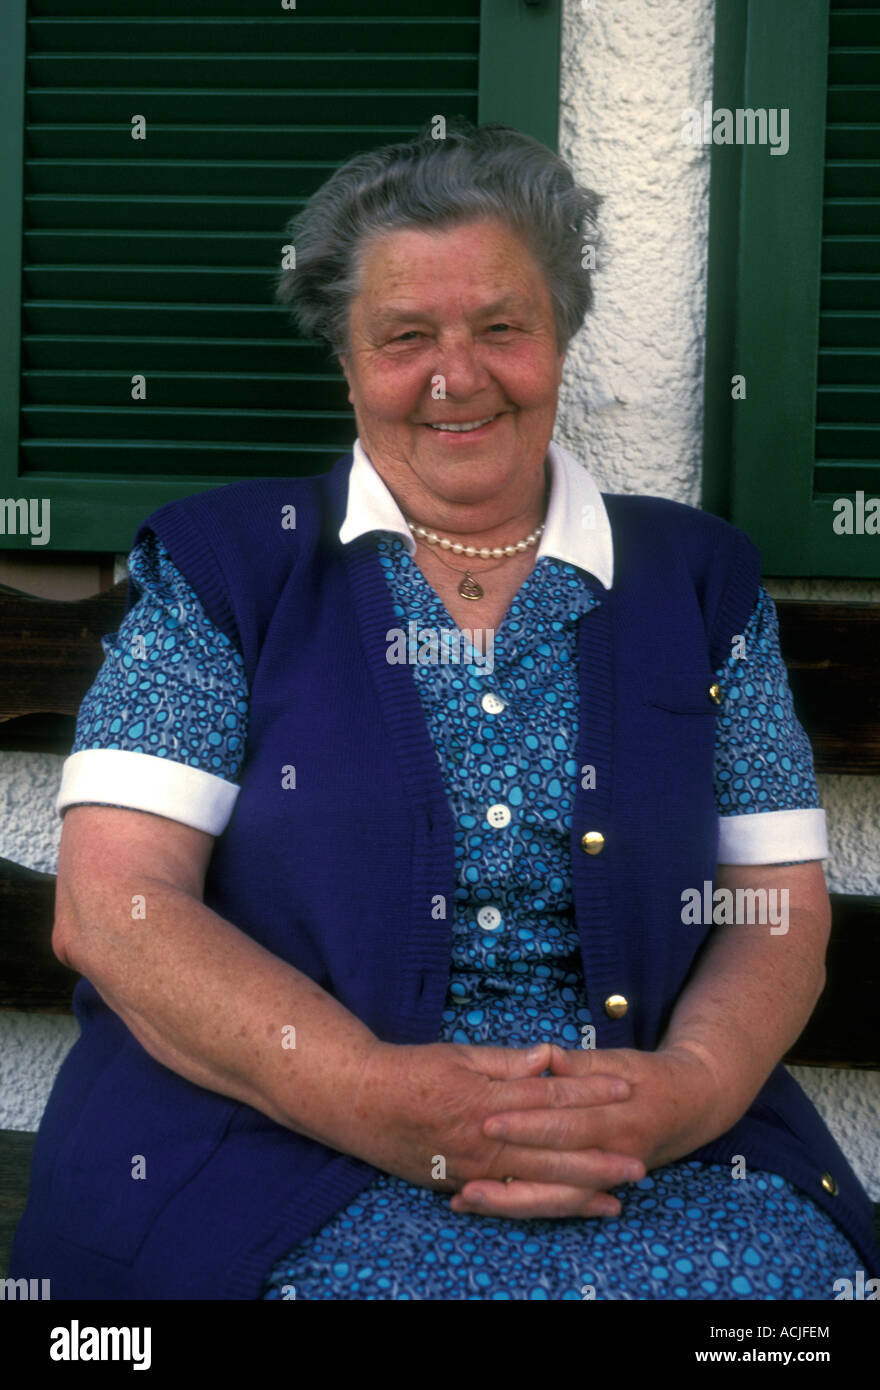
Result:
<point x="631" y="407"/>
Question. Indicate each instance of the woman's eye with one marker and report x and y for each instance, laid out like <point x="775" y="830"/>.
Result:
<point x="412" y="333"/>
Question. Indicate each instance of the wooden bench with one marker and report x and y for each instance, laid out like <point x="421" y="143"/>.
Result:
<point x="50" y="652"/>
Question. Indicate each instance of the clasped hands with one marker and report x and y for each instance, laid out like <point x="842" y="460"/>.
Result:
<point x="606" y="1116"/>
<point x="601" y="1118"/>
<point x="613" y="1116"/>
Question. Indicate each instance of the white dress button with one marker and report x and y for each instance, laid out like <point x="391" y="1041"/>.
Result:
<point x="498" y="815"/>
<point x="493" y="704"/>
<point x="489" y="918"/>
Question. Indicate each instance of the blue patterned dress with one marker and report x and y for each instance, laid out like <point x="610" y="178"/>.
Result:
<point x="688" y="1230"/>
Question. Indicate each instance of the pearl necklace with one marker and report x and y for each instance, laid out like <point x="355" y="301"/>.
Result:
<point x="469" y="588"/>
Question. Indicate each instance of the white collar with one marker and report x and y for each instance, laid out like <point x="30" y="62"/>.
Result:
<point x="576" y="531"/>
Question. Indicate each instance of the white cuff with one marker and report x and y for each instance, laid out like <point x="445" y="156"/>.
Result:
<point x="772" y="837"/>
<point x="143" y="782"/>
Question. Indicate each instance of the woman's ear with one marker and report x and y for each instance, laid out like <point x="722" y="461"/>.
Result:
<point x="342" y="359"/>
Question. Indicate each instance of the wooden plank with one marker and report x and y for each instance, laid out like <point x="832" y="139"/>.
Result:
<point x="50" y="653"/>
<point x="31" y="976"/>
<point x="842" y="1031"/>
<point x="16" y="1152"/>
<point x="832" y="652"/>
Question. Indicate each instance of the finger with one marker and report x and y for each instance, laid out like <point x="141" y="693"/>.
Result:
<point x="502" y="1063"/>
<point x="549" y="1092"/>
<point x="560" y="1128"/>
<point x="591" y="1167"/>
<point x="529" y="1200"/>
<point x="577" y="1061"/>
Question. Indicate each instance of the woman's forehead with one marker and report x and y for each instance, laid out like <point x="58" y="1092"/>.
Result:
<point x="487" y="265"/>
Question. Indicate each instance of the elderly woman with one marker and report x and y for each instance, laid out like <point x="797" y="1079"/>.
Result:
<point x="418" y="968"/>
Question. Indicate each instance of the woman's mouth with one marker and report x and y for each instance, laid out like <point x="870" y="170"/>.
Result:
<point x="469" y="429"/>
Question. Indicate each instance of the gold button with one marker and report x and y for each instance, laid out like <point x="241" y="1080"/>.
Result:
<point x="829" y="1184"/>
<point x="716" y="693"/>
<point x="616" y="1006"/>
<point x="593" y="842"/>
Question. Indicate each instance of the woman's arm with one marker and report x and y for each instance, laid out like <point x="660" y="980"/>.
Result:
<point x="754" y="990"/>
<point x="210" y="1003"/>
<point x="201" y="996"/>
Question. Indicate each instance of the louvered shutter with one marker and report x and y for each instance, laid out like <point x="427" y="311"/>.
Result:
<point x="848" y="401"/>
<point x="155" y="257"/>
<point x="794" y="285"/>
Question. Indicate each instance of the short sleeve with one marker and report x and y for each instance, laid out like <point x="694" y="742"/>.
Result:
<point x="163" y="726"/>
<point x="765" y="784"/>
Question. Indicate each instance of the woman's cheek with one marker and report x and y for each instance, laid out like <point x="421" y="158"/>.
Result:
<point x="396" y="390"/>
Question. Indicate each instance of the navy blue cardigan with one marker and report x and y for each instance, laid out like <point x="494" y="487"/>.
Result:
<point x="338" y="878"/>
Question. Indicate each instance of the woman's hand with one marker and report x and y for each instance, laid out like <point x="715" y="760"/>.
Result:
<point x="671" y="1110"/>
<point x="421" y="1114"/>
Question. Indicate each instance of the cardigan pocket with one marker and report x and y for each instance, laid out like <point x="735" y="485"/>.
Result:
<point x="682" y="692"/>
<point x="142" y="1134"/>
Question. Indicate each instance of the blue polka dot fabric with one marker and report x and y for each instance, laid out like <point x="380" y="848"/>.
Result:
<point x="504" y="736"/>
<point x="172" y="684"/>
<point x="765" y="762"/>
<point x="686" y="1231"/>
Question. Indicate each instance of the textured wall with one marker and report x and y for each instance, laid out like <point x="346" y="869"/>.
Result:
<point x="631" y="407"/>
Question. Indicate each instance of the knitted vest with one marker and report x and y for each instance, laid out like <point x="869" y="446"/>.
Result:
<point x="339" y="874"/>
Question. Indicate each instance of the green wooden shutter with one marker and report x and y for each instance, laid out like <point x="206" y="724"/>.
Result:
<point x="794" y="284"/>
<point x="157" y="256"/>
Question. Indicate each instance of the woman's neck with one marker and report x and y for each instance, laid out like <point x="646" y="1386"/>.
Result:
<point x="479" y="531"/>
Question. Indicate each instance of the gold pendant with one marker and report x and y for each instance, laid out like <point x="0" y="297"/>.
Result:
<point x="469" y="588"/>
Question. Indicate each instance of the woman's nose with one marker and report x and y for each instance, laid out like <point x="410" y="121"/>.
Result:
<point x="462" y="373"/>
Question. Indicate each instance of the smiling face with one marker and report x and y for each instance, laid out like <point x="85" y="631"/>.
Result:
<point x="468" y="304"/>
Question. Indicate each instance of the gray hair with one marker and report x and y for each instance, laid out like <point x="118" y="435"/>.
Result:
<point x="473" y="172"/>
